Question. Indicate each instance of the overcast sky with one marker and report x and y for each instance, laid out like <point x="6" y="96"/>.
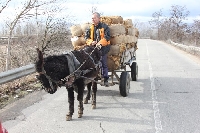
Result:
<point x="141" y="10"/>
<point x="134" y="9"/>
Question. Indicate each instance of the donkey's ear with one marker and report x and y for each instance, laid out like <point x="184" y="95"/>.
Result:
<point x="40" y="55"/>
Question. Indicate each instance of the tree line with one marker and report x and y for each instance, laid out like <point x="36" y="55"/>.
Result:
<point x="175" y="27"/>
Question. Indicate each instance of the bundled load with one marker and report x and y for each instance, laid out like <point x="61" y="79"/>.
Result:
<point x="124" y="36"/>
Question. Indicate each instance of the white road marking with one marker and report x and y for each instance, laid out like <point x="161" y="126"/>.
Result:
<point x="158" y="125"/>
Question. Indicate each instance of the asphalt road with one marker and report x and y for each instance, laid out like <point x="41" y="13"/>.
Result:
<point x="165" y="99"/>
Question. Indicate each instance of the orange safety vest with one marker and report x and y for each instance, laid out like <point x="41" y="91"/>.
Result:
<point x="103" y="41"/>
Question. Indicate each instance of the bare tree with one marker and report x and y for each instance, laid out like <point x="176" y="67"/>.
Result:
<point x="23" y="14"/>
<point x="145" y="30"/>
<point x="55" y="32"/>
<point x="196" y="31"/>
<point x="156" y="22"/>
<point x="4" y="5"/>
<point x="178" y="14"/>
<point x="165" y="29"/>
<point x="136" y="23"/>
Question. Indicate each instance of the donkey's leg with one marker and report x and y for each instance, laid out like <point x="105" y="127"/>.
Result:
<point x="94" y="91"/>
<point x="71" y="104"/>
<point x="88" y="93"/>
<point x="80" y="86"/>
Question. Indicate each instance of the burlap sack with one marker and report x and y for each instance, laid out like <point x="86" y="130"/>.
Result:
<point x="113" y="62"/>
<point x="122" y="48"/>
<point x="83" y="41"/>
<point x="130" y="31"/>
<point x="126" y="39"/>
<point x="136" y="32"/>
<point x="117" y="39"/>
<point x="130" y="39"/>
<point x="112" y="20"/>
<point x="76" y="30"/>
<point x="133" y="44"/>
<point x="117" y="19"/>
<point x="78" y="41"/>
<point x="85" y="26"/>
<point x="114" y="50"/>
<point x="128" y="23"/>
<point x="117" y="29"/>
<point x="135" y="39"/>
<point x="128" y="46"/>
<point x="107" y="20"/>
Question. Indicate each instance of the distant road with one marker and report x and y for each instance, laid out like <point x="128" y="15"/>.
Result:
<point x="165" y="99"/>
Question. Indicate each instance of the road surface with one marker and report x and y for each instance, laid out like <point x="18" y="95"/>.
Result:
<point x="165" y="99"/>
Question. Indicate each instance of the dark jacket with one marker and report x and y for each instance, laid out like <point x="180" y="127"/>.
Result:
<point x="101" y="34"/>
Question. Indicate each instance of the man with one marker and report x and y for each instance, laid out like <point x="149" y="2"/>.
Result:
<point x="99" y="34"/>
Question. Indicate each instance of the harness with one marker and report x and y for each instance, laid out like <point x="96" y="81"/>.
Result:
<point x="74" y="75"/>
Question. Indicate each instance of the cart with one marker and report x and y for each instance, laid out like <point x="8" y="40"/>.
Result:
<point x="128" y="58"/>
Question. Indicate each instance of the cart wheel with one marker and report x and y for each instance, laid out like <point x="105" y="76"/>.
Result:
<point x="124" y="84"/>
<point x="134" y="71"/>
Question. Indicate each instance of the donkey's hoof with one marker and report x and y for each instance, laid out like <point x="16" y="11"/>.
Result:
<point x="68" y="118"/>
<point x="80" y="115"/>
<point x="85" y="101"/>
<point x="93" y="106"/>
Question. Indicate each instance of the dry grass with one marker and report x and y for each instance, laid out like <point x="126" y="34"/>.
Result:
<point x="18" y="88"/>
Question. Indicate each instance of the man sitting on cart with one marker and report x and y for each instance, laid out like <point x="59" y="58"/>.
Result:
<point x="99" y="34"/>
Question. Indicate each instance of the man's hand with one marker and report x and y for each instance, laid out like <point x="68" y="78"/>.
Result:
<point x="99" y="45"/>
<point x="93" y="43"/>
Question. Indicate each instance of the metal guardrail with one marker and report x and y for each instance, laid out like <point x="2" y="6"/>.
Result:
<point x="16" y="73"/>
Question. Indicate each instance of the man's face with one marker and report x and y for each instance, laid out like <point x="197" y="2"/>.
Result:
<point x="95" y="19"/>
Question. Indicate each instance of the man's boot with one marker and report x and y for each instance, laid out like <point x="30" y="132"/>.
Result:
<point x="106" y="82"/>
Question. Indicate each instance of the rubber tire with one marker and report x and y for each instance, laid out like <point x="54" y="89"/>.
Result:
<point x="134" y="71"/>
<point x="124" y="84"/>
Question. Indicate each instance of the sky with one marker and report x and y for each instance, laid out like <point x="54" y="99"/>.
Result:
<point x="139" y="10"/>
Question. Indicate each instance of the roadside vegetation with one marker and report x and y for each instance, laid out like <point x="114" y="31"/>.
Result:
<point x="172" y="26"/>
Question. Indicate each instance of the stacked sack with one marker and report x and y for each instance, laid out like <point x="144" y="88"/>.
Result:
<point x="78" y="31"/>
<point x="123" y="36"/>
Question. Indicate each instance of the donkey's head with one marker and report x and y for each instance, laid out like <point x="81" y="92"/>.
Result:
<point x="46" y="81"/>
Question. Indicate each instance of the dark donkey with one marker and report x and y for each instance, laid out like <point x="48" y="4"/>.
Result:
<point x="69" y="70"/>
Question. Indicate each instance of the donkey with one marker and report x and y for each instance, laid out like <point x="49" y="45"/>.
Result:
<point x="73" y="70"/>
